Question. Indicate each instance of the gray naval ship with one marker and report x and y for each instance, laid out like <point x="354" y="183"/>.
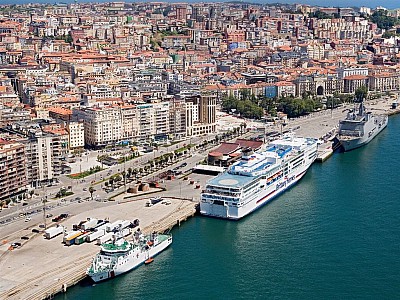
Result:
<point x="360" y="127"/>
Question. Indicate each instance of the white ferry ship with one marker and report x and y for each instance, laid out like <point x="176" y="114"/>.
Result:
<point x="120" y="256"/>
<point x="258" y="177"/>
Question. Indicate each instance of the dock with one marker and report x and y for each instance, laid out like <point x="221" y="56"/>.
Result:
<point x="62" y="266"/>
<point x="175" y="218"/>
<point x="323" y="155"/>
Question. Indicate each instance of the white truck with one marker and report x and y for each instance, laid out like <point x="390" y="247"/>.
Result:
<point x="95" y="235"/>
<point x="89" y="224"/>
<point x="105" y="238"/>
<point x="125" y="224"/>
<point x="123" y="233"/>
<point x="102" y="227"/>
<point x="112" y="226"/>
<point x="53" y="231"/>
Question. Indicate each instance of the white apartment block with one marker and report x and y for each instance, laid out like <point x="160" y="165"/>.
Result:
<point x="111" y="124"/>
<point x="76" y="131"/>
<point x="103" y="125"/>
<point x="43" y="159"/>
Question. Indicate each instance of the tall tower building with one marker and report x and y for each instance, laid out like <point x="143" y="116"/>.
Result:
<point x="181" y="12"/>
<point x="12" y="169"/>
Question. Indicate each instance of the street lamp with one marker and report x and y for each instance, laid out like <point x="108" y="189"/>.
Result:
<point x="44" y="200"/>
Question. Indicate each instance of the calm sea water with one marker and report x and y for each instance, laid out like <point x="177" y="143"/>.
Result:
<point x="336" y="235"/>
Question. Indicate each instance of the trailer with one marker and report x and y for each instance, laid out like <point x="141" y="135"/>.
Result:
<point x="53" y="231"/>
<point x="95" y="235"/>
<point x="153" y="201"/>
<point x="125" y="232"/>
<point x="70" y="239"/>
<point x="125" y="224"/>
<point x="89" y="224"/>
<point x="112" y="226"/>
<point x="102" y="227"/>
<point x="82" y="239"/>
<point x="69" y="234"/>
<point x="99" y="224"/>
<point x="122" y="233"/>
<point x="105" y="238"/>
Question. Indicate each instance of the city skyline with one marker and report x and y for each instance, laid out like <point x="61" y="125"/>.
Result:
<point x="390" y="4"/>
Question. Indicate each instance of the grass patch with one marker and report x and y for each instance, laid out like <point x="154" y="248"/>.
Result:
<point x="84" y="174"/>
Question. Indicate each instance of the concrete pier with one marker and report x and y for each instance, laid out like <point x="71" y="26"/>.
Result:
<point x="42" y="268"/>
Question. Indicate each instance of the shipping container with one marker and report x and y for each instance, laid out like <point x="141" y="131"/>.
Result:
<point x="69" y="234"/>
<point x="70" y="240"/>
<point x="82" y="239"/>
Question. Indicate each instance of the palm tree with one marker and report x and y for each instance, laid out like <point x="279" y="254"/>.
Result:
<point x="91" y="191"/>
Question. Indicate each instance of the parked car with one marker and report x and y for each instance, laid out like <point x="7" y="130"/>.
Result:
<point x="16" y="245"/>
<point x="28" y="219"/>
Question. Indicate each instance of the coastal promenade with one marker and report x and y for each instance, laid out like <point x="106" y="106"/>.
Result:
<point x="41" y="268"/>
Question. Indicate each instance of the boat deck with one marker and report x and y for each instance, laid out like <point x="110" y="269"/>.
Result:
<point x="227" y="180"/>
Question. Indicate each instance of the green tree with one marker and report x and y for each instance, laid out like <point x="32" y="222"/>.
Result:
<point x="361" y="93"/>
<point x="382" y="20"/>
<point x="91" y="191"/>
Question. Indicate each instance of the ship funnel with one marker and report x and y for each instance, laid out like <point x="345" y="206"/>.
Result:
<point x="247" y="152"/>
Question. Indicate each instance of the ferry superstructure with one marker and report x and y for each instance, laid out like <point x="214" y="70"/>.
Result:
<point x="258" y="177"/>
<point x="360" y="127"/>
<point x="120" y="256"/>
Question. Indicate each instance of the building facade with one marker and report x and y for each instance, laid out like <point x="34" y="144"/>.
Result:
<point x="13" y="181"/>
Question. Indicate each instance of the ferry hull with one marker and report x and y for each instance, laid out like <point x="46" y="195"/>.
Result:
<point x="354" y="143"/>
<point x="258" y="200"/>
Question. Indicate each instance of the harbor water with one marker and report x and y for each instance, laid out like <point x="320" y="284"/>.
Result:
<point x="335" y="235"/>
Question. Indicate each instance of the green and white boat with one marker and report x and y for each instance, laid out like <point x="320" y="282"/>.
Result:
<point x="120" y="256"/>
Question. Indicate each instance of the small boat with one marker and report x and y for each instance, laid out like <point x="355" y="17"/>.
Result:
<point x="148" y="261"/>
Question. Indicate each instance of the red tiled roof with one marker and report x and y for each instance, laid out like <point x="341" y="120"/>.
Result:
<point x="249" y="144"/>
<point x="227" y="148"/>
<point x="356" y="77"/>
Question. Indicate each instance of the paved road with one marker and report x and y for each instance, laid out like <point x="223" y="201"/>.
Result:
<point x="314" y="125"/>
<point x="35" y="206"/>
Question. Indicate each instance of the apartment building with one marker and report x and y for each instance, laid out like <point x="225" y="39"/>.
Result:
<point x="76" y="134"/>
<point x="206" y="119"/>
<point x="46" y="148"/>
<point x="13" y="181"/>
<point x="383" y="82"/>
<point x="102" y="125"/>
